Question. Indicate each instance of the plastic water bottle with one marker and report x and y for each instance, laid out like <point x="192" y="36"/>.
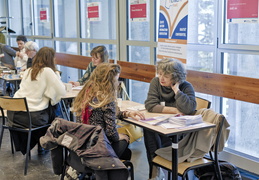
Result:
<point x="18" y="67"/>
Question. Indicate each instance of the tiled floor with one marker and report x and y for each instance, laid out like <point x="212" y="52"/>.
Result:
<point x="40" y="168"/>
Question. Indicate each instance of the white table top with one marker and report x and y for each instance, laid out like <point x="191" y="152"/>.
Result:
<point x="159" y="129"/>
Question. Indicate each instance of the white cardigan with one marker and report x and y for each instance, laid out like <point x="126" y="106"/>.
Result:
<point x="47" y="87"/>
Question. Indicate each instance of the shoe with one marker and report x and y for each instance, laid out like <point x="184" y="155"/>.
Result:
<point x="41" y="150"/>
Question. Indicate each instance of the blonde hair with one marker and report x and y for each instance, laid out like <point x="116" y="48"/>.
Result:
<point x="99" y="90"/>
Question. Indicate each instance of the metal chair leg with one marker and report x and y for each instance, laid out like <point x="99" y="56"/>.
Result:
<point x="27" y="156"/>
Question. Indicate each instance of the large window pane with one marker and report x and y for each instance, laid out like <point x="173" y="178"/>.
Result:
<point x="242" y="116"/>
<point x="138" y="30"/>
<point x="65" y="16"/>
<point x="138" y="91"/>
<point x="139" y="54"/>
<point x="202" y="21"/>
<point x="27" y="18"/>
<point x="42" y="20"/>
<point x="200" y="60"/>
<point x="105" y="27"/>
<point x="243" y="119"/>
<point x="43" y="42"/>
<point x="15" y="23"/>
<point x="68" y="74"/>
<point x="246" y="65"/>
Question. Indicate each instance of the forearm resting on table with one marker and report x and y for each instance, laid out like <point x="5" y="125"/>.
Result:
<point x="170" y="110"/>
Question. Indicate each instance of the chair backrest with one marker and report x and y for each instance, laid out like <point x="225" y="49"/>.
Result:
<point x="13" y="104"/>
<point x="202" y="103"/>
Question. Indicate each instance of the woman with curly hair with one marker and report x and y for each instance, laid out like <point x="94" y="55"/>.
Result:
<point x="168" y="93"/>
<point x="96" y="104"/>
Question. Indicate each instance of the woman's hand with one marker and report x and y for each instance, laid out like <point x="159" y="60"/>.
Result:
<point x="136" y="115"/>
<point x="124" y="137"/>
<point x="175" y="87"/>
<point x="74" y="83"/>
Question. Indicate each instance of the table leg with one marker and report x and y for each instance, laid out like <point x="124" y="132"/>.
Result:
<point x="175" y="157"/>
<point x="65" y="109"/>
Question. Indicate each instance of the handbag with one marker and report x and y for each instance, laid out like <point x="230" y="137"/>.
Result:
<point x="134" y="132"/>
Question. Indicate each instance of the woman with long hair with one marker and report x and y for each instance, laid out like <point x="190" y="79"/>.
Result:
<point x="96" y="104"/>
<point x="42" y="86"/>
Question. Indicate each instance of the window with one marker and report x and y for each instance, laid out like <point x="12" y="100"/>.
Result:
<point x="103" y="27"/>
<point x="41" y="17"/>
<point x="65" y="18"/>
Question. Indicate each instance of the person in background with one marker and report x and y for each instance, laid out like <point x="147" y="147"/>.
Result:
<point x="99" y="55"/>
<point x="42" y="86"/>
<point x="7" y="53"/>
<point x="168" y="93"/>
<point x="21" y="57"/>
<point x="31" y="48"/>
<point x="96" y="104"/>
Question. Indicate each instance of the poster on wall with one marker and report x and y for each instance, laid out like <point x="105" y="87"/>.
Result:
<point x="44" y="15"/>
<point x="138" y="10"/>
<point x="242" y="11"/>
<point x="172" y="29"/>
<point x="94" y="11"/>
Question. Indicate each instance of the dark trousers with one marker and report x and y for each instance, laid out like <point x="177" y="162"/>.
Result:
<point x="121" y="149"/>
<point x="154" y="141"/>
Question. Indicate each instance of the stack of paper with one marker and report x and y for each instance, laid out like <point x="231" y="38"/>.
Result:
<point x="137" y="108"/>
<point x="174" y="121"/>
<point x="186" y="120"/>
<point x="156" y="120"/>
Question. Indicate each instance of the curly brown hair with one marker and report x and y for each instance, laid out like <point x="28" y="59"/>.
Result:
<point x="100" y="89"/>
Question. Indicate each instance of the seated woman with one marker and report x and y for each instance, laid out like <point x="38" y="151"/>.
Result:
<point x="96" y="104"/>
<point x="168" y="93"/>
<point x="99" y="55"/>
<point x="43" y="88"/>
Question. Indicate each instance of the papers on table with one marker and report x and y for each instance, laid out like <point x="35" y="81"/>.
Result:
<point x="77" y="88"/>
<point x="137" y="108"/>
<point x="174" y="121"/>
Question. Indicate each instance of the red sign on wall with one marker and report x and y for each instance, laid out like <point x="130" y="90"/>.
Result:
<point x="43" y="15"/>
<point x="93" y="11"/>
<point x="242" y="9"/>
<point x="138" y="10"/>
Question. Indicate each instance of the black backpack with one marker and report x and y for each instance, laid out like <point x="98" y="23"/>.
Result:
<point x="228" y="172"/>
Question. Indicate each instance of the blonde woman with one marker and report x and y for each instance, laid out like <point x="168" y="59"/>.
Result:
<point x="96" y="104"/>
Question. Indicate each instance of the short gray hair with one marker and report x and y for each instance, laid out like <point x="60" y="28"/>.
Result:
<point x="173" y="67"/>
<point x="31" y="46"/>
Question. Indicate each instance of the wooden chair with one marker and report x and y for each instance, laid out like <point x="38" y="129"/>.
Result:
<point x="185" y="167"/>
<point x="17" y="104"/>
<point x="202" y="103"/>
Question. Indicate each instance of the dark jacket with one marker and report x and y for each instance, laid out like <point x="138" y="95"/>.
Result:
<point x="184" y="101"/>
<point x="88" y="142"/>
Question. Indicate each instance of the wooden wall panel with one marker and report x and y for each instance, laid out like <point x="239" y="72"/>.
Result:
<point x="233" y="87"/>
<point x="74" y="61"/>
<point x="137" y="71"/>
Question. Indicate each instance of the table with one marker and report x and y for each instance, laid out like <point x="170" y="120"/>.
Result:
<point x="171" y="133"/>
<point x="11" y="78"/>
<point x="68" y="97"/>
